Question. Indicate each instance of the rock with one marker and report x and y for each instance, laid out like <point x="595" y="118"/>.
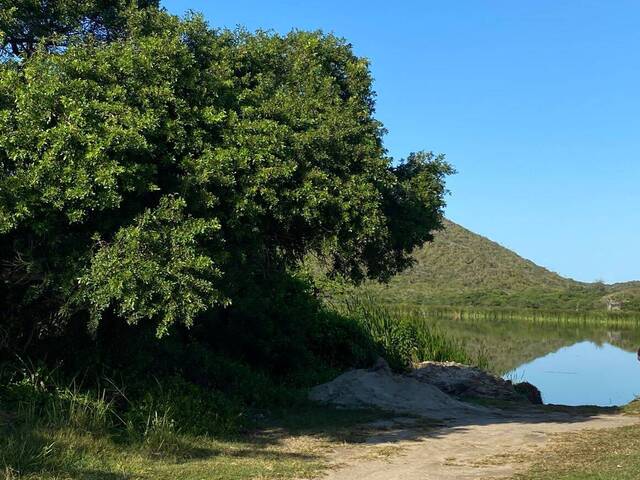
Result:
<point x="529" y="391"/>
<point x="464" y="381"/>
<point x="381" y="365"/>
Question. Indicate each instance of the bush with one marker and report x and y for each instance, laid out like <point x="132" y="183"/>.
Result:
<point x="159" y="174"/>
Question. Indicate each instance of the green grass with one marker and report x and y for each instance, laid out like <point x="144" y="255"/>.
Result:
<point x="406" y="337"/>
<point x="54" y="453"/>
<point x="49" y="431"/>
<point x="296" y="451"/>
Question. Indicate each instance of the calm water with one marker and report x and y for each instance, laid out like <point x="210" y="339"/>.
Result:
<point x="584" y="373"/>
<point x="571" y="363"/>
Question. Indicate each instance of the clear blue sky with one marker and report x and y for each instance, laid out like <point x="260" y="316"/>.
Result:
<point x="536" y="103"/>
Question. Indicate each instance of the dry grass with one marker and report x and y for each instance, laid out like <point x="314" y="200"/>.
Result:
<point x="590" y="455"/>
<point x="381" y="452"/>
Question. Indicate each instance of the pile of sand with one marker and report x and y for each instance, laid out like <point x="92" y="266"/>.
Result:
<point x="380" y="388"/>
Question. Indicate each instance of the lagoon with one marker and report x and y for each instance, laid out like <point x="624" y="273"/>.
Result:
<point x="572" y="363"/>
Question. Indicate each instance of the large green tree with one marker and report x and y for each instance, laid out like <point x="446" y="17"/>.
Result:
<point x="150" y="174"/>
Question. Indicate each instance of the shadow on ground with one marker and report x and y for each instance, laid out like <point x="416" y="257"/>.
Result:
<point x="270" y="442"/>
<point x="386" y="427"/>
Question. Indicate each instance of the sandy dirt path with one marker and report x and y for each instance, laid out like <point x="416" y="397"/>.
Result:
<point x="472" y="447"/>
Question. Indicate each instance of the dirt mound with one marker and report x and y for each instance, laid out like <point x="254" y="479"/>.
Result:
<point x="380" y="388"/>
<point x="464" y="381"/>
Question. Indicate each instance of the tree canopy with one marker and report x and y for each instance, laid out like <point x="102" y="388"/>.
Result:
<point x="150" y="165"/>
<point x="26" y="25"/>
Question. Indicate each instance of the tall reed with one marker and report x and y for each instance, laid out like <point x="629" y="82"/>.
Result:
<point x="555" y="316"/>
<point x="404" y="338"/>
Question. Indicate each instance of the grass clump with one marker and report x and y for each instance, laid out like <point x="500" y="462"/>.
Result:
<point x="404" y="338"/>
<point x="37" y="396"/>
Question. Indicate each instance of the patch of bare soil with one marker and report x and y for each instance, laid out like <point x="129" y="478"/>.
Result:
<point x="469" y="441"/>
<point x="480" y="447"/>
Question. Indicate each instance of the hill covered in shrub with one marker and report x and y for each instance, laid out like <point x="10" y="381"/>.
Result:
<point x="465" y="269"/>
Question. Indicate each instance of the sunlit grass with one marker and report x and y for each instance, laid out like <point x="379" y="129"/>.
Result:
<point x="292" y="444"/>
<point x="50" y="430"/>
<point x="70" y="453"/>
<point x="590" y="455"/>
<point x="408" y="337"/>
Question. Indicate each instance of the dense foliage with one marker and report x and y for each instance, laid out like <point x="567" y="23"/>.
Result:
<point x="155" y="169"/>
<point x="29" y="25"/>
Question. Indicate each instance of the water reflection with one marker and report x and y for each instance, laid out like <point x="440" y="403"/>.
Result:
<point x="571" y="363"/>
<point x="584" y="374"/>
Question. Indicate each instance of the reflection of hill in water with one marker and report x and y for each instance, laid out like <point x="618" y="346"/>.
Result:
<point x="510" y="343"/>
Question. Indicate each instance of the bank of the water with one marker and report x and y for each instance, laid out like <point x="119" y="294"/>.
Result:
<point x="589" y="317"/>
<point x="572" y="362"/>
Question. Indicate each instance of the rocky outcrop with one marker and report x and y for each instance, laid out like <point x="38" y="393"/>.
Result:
<point x="463" y="381"/>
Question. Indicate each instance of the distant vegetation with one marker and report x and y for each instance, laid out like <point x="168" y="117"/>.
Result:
<point x="461" y="268"/>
